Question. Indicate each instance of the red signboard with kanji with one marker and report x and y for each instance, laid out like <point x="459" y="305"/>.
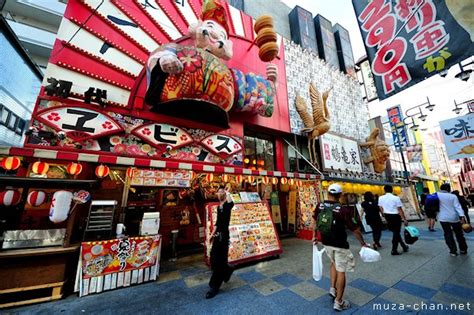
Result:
<point x="410" y="40"/>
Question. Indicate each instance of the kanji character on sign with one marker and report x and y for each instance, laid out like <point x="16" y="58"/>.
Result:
<point x="424" y="15"/>
<point x="171" y="136"/>
<point x="437" y="63"/>
<point x="430" y="39"/>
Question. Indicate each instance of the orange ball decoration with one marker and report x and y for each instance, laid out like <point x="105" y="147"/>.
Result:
<point x="10" y="163"/>
<point x="40" y="168"/>
<point x="74" y="169"/>
<point x="102" y="171"/>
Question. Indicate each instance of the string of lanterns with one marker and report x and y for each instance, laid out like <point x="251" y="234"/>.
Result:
<point x="251" y="179"/>
<point x="360" y="188"/>
<point x="10" y="163"/>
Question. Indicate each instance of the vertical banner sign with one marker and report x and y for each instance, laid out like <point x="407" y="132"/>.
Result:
<point x="275" y="204"/>
<point x="292" y="210"/>
<point x="408" y="41"/>
<point x="458" y="136"/>
<point x="399" y="131"/>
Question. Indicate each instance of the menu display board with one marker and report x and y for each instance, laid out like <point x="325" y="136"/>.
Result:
<point x="175" y="178"/>
<point x="107" y="265"/>
<point x="307" y="202"/>
<point x="252" y="233"/>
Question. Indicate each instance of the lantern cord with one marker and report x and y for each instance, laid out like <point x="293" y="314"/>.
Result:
<point x="304" y="158"/>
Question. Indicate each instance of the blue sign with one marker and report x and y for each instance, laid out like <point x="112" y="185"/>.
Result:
<point x="399" y="131"/>
<point x="458" y="136"/>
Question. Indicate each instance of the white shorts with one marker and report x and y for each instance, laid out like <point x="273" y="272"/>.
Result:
<point x="342" y="258"/>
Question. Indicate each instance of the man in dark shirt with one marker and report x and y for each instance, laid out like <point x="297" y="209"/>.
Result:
<point x="221" y="271"/>
<point x="336" y="245"/>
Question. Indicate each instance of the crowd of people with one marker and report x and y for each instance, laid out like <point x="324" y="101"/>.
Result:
<point x="333" y="219"/>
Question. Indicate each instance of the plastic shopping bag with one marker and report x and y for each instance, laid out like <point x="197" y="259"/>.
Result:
<point x="369" y="255"/>
<point x="318" y="262"/>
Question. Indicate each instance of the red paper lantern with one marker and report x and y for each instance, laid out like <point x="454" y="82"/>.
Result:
<point x="40" y="168"/>
<point x="210" y="177"/>
<point x="299" y="183"/>
<point x="10" y="163"/>
<point x="274" y="180"/>
<point x="239" y="178"/>
<point x="284" y="180"/>
<point x="265" y="180"/>
<point x="226" y="178"/>
<point x="102" y="171"/>
<point x="291" y="181"/>
<point x="9" y="197"/>
<point x="250" y="178"/>
<point x="74" y="169"/>
<point x="36" y="198"/>
<point x="130" y="172"/>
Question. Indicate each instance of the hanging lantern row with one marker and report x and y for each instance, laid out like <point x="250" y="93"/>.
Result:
<point x="40" y="168"/>
<point x="102" y="171"/>
<point x="360" y="188"/>
<point x="74" y="169"/>
<point x="130" y="171"/>
<point x="250" y="178"/>
<point x="10" y="163"/>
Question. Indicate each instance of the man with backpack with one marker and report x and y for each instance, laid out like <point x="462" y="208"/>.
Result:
<point x="331" y="222"/>
<point x="431" y="207"/>
<point x="451" y="216"/>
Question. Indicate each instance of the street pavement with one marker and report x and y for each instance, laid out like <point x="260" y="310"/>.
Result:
<point x="426" y="280"/>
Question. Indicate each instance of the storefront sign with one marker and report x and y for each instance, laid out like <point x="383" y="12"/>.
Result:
<point x="275" y="204"/>
<point x="340" y="153"/>
<point x="458" y="136"/>
<point x="414" y="153"/>
<point x="118" y="263"/>
<point x="307" y="202"/>
<point x="369" y="83"/>
<point x="79" y="122"/>
<point x="252" y="233"/>
<point x="175" y="178"/>
<point x="409" y="41"/>
<point x="222" y="146"/>
<point x="410" y="205"/>
<point x="162" y="136"/>
<point x="399" y="131"/>
<point x="292" y="211"/>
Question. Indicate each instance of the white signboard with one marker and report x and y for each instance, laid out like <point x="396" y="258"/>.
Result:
<point x="340" y="153"/>
<point x="369" y="83"/>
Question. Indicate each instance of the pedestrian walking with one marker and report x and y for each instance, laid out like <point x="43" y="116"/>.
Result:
<point x="331" y="222"/>
<point x="372" y="215"/>
<point x="392" y="209"/>
<point x="451" y="217"/>
<point x="464" y="205"/>
<point x="221" y="271"/>
<point x="430" y="208"/>
<point x="425" y="193"/>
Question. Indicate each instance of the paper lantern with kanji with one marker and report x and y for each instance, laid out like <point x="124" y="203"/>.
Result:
<point x="10" y="197"/>
<point x="60" y="206"/>
<point x="250" y="178"/>
<point x="102" y="171"/>
<point x="40" y="168"/>
<point x="36" y="198"/>
<point x="10" y="163"/>
<point x="239" y="178"/>
<point x="274" y="180"/>
<point x="265" y="180"/>
<point x="74" y="169"/>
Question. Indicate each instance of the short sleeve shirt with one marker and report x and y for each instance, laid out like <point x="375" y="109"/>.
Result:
<point x="390" y="203"/>
<point x="343" y="218"/>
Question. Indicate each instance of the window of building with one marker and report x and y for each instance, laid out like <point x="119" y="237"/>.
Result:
<point x="4" y="115"/>
<point x="259" y="152"/>
<point x="298" y="162"/>
<point x="20" y="126"/>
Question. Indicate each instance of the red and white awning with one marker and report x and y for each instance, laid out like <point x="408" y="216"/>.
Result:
<point x="145" y="162"/>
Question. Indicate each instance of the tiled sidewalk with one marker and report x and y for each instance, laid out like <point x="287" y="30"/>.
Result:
<point x="284" y="286"/>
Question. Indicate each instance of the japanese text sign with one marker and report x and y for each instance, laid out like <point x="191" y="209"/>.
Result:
<point x="410" y="40"/>
<point x="340" y="153"/>
<point x="399" y="132"/>
<point x="458" y="136"/>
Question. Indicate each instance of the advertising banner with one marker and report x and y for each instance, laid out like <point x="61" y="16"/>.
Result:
<point x="458" y="136"/>
<point x="107" y="265"/>
<point x="414" y="153"/>
<point x="340" y="153"/>
<point x="399" y="131"/>
<point x="408" y="41"/>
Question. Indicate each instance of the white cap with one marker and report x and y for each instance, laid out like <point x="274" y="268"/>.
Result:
<point x="335" y="189"/>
